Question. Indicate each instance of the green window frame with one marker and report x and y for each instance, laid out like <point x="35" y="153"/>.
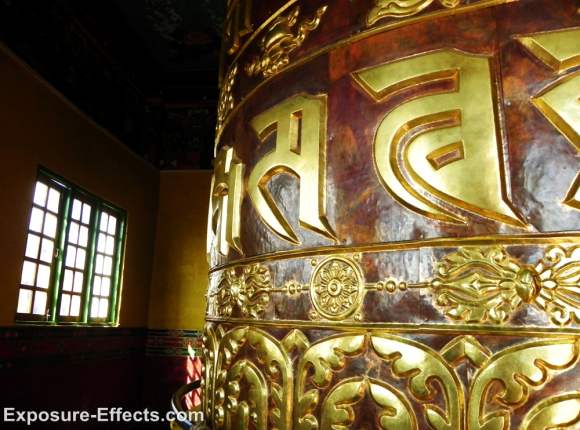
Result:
<point x="73" y="262"/>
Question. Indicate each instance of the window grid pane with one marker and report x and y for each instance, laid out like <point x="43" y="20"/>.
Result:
<point x="39" y="251"/>
<point x="75" y="261"/>
<point x="105" y="256"/>
<point x="79" y="267"/>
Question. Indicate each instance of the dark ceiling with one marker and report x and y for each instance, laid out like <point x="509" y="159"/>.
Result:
<point x="146" y="70"/>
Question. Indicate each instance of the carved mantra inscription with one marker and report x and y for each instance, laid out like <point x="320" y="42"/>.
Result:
<point x="438" y="154"/>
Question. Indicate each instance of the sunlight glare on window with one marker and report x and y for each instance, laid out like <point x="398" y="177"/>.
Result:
<point x="39" y="307"/>
<point x="46" y="251"/>
<point x="78" y="283"/>
<point x="53" y="200"/>
<point x="64" y="305"/>
<point x="43" y="276"/>
<point x="111" y="229"/>
<point x="28" y="273"/>
<point x="75" y="306"/>
<point x="40" y="194"/>
<point x="68" y="280"/>
<point x="50" y="222"/>
<point x="103" y="308"/>
<point x="36" y="220"/>
<point x="76" y="210"/>
<point x="72" y="254"/>
<point x="32" y="245"/>
<point x="86" y="213"/>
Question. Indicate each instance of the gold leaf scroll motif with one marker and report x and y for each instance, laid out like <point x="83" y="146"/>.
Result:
<point x="338" y="411"/>
<point x="403" y="8"/>
<point x="443" y="146"/>
<point x="517" y="370"/>
<point x="557" y="413"/>
<point x="271" y="407"/>
<point x="560" y="101"/>
<point x="320" y="361"/>
<point x="280" y="41"/>
<point x="299" y="125"/>
<point x="422" y="366"/>
<point x="254" y="378"/>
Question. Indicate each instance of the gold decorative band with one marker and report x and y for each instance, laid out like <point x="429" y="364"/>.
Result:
<point x="302" y="378"/>
<point x="473" y="285"/>
<point x="437" y="242"/>
<point x="434" y="329"/>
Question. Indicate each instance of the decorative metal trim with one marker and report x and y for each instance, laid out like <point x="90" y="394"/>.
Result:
<point x="476" y="285"/>
<point x="280" y="41"/>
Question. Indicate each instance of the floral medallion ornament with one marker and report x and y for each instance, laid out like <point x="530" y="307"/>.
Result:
<point x="247" y="292"/>
<point x="336" y="287"/>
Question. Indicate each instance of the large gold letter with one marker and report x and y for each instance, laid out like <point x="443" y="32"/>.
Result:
<point x="560" y="101"/>
<point x="443" y="146"/>
<point x="300" y="126"/>
<point x="224" y="203"/>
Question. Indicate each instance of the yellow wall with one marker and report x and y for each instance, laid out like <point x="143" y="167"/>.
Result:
<point x="39" y="127"/>
<point x="180" y="270"/>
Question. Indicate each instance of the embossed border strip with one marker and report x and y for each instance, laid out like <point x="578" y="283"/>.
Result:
<point x="440" y="242"/>
<point x="403" y="328"/>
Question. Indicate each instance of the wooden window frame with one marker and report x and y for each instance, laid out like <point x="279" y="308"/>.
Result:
<point x="69" y="192"/>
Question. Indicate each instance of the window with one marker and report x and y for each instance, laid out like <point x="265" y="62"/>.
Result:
<point x="72" y="261"/>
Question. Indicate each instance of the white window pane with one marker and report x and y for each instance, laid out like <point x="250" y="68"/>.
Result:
<point x="76" y="210"/>
<point x="101" y="243"/>
<point x="86" y="213"/>
<point x="32" y="245"/>
<point x="40" y="194"/>
<point x="75" y="306"/>
<point x="53" y="200"/>
<point x="73" y="233"/>
<point x="83" y="236"/>
<point x="99" y="264"/>
<point x="110" y="247"/>
<point x="71" y="255"/>
<point x="78" y="285"/>
<point x="104" y="221"/>
<point x="36" y="220"/>
<point x="28" y="273"/>
<point x="105" y="286"/>
<point x="80" y="263"/>
<point x="50" y="222"/>
<point x="39" y="307"/>
<point x="97" y="285"/>
<point x="103" y="308"/>
<point x="68" y="280"/>
<point x="43" y="276"/>
<point x="46" y="251"/>
<point x="64" y="305"/>
<point x="95" y="308"/>
<point x="112" y="225"/>
<point x="24" y="301"/>
<point x="108" y="266"/>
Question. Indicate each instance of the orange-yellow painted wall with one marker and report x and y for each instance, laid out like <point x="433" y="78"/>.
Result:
<point x="179" y="278"/>
<point x="39" y="127"/>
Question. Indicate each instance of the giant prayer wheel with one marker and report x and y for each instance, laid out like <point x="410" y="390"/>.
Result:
<point x="394" y="217"/>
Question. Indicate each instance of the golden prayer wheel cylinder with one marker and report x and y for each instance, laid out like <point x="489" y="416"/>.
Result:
<point x="393" y="226"/>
